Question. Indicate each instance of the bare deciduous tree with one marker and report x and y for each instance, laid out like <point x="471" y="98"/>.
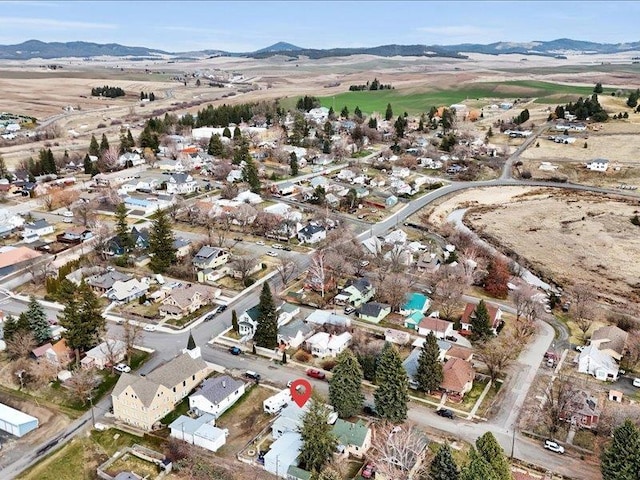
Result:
<point x="450" y="283"/>
<point x="46" y="201"/>
<point x="398" y="451"/>
<point x="287" y="268"/>
<point x="43" y="372"/>
<point x="85" y="212"/>
<point x="40" y="269"/>
<point x="244" y="264"/>
<point x="319" y="276"/>
<point x="20" y="345"/>
<point x="82" y="383"/>
<point x="108" y="161"/>
<point x="582" y="308"/>
<point x="561" y="399"/>
<point x="497" y="354"/>
<point x="528" y="310"/>
<point x="393" y="289"/>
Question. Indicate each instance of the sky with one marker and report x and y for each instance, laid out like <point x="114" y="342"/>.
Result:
<point x="236" y="26"/>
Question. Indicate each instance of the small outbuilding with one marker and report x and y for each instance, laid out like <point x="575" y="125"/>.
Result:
<point x="16" y="422"/>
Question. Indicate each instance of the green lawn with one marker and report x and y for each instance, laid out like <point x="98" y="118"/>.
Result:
<point x="181" y="409"/>
<point x="68" y="464"/>
<point x="416" y="102"/>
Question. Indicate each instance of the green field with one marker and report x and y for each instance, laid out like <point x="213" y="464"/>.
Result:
<point x="414" y="103"/>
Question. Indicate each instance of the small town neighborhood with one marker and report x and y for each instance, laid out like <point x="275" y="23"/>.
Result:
<point x="281" y="288"/>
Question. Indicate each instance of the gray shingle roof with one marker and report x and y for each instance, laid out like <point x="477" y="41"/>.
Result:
<point x="372" y="309"/>
<point x="177" y="370"/>
<point x="217" y="389"/>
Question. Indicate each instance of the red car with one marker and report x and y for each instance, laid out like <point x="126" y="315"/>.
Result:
<point x="312" y="372"/>
<point x="369" y="471"/>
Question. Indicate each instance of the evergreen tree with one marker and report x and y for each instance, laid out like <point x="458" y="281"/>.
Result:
<point x="332" y="114"/>
<point x="161" y="248"/>
<point x="389" y="113"/>
<point x="421" y="123"/>
<point x="267" y="328"/>
<point x="598" y="88"/>
<point x="480" y="322"/>
<point x="226" y="132"/>
<point x="94" y="148"/>
<point x="10" y="327"/>
<point x="492" y="452"/>
<point x="3" y="168"/>
<point x="83" y="320"/>
<point x="357" y="112"/>
<point x="234" y="321"/>
<point x="130" y="141"/>
<point x="443" y="466"/>
<point x="37" y="318"/>
<point x="326" y="147"/>
<point x="104" y="144"/>
<point x="250" y="175"/>
<point x="400" y="126"/>
<point x="152" y="97"/>
<point x="621" y="458"/>
<point x="478" y="469"/>
<point x="216" y="148"/>
<point x="122" y="228"/>
<point x="391" y="397"/>
<point x="237" y="134"/>
<point x="284" y="357"/>
<point x="318" y="442"/>
<point x="293" y="163"/>
<point x="344" y="113"/>
<point x="345" y="385"/>
<point x="373" y="123"/>
<point x="429" y="375"/>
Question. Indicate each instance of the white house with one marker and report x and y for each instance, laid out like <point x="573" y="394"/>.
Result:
<point x="107" y="353"/>
<point x="171" y="166"/>
<point x="598" y="165"/>
<point x="199" y="431"/>
<point x="294" y="333"/>
<point x="38" y="228"/>
<point x="440" y="328"/>
<point x="127" y="291"/>
<point x="181" y="184"/>
<point x="598" y="363"/>
<point x="283" y="454"/>
<point x="133" y="159"/>
<point x="323" y="344"/>
<point x="326" y="317"/>
<point x="216" y="395"/>
<point x="312" y="233"/>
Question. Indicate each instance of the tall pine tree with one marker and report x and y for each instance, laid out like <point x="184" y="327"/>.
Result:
<point x="318" y="441"/>
<point x="267" y="329"/>
<point x="94" y="148"/>
<point x="443" y="466"/>
<point x="391" y="397"/>
<point x="389" y="113"/>
<point x="250" y="175"/>
<point x="293" y="164"/>
<point x="234" y="321"/>
<point x="122" y="228"/>
<point x="621" y="458"/>
<point x="429" y="375"/>
<point x="38" y="323"/>
<point x="163" y="253"/>
<point x="345" y="385"/>
<point x="83" y="320"/>
<point x="492" y="452"/>
<point x="10" y="327"/>
<point x="104" y="144"/>
<point x="216" y="148"/>
<point x="477" y="469"/>
<point x="480" y="325"/>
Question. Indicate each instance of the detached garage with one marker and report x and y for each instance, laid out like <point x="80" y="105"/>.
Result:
<point x="16" y="422"/>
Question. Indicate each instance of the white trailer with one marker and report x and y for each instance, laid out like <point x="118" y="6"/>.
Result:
<point x="277" y="402"/>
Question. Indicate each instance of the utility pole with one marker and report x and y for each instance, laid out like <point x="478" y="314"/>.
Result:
<point x="93" y="418"/>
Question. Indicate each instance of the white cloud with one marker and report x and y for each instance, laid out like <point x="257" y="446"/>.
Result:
<point x="50" y="24"/>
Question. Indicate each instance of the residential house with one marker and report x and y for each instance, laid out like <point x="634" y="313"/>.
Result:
<point x="144" y="206"/>
<point x="355" y="293"/>
<point x="597" y="363"/>
<point x="372" y="246"/>
<point x="373" y="312"/>
<point x="440" y="328"/>
<point x="185" y="300"/>
<point x="396" y="237"/>
<point x="248" y="321"/>
<point x="130" y="159"/>
<point x="181" y="184"/>
<point x="458" y="377"/>
<point x="106" y="354"/>
<point x="211" y="275"/>
<point x="36" y="229"/>
<point x="143" y="401"/>
<point x="598" y="165"/>
<point x="286" y="188"/>
<point x="199" y="431"/>
<point x="346" y="174"/>
<point x="9" y="222"/>
<point x="413" y="321"/>
<point x="319" y="181"/>
<point x="410" y="365"/>
<point x="353" y="438"/>
<point x="293" y="334"/>
<point x="323" y="344"/>
<point x="216" y="395"/>
<point x="171" y="165"/>
<point x="396" y="336"/>
<point x="140" y="238"/>
<point x="286" y="313"/>
<point x="248" y="197"/>
<point x="75" y="235"/>
<point x="182" y="247"/>
<point x="101" y="283"/>
<point x="458" y="351"/>
<point x="390" y="201"/>
<point x="312" y="233"/>
<point x="443" y="346"/>
<point x="582" y="410"/>
<point x="125" y="292"/>
<point x="611" y="340"/>
<point x="58" y="353"/>
<point x="210" y="257"/>
<point x="326" y="317"/>
<point x="495" y="316"/>
<point x="283" y="454"/>
<point x="416" y="302"/>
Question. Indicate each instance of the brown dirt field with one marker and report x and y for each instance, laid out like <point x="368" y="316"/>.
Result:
<point x="570" y="237"/>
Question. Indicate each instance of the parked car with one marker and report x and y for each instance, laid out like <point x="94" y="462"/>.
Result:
<point x="579" y="348"/>
<point x="252" y="375"/>
<point x="349" y="310"/>
<point x="271" y="253"/>
<point x="237" y="239"/>
<point x="235" y="351"/>
<point x="222" y="308"/>
<point x="445" y="412"/>
<point x="364" y="263"/>
<point x="313" y="373"/>
<point x="636" y="382"/>
<point x="122" y="367"/>
<point x="451" y="338"/>
<point x="149" y="328"/>
<point x="260" y="242"/>
<point x="277" y="246"/>
<point x="368" y="471"/>
<point x="550" y="362"/>
<point x="553" y="446"/>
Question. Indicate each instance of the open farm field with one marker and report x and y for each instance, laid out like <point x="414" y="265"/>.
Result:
<point x="570" y="237"/>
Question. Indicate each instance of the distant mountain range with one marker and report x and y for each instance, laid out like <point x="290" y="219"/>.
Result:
<point x="37" y="49"/>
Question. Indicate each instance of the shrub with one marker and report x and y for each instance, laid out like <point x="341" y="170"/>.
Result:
<point x="249" y="281"/>
<point x="302" y="356"/>
<point x="101" y="125"/>
<point x="635" y="220"/>
<point x="526" y="174"/>
<point x="328" y="364"/>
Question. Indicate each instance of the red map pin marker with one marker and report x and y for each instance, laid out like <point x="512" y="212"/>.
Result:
<point x="300" y="391"/>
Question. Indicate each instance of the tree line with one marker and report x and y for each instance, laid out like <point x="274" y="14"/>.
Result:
<point x="107" y="91"/>
<point x="375" y="85"/>
<point x="148" y="96"/>
<point x="583" y="109"/>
